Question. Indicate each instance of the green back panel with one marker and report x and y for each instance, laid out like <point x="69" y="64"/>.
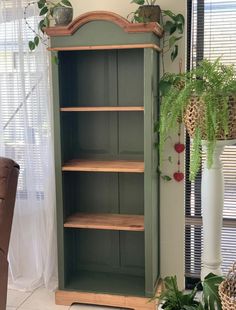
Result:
<point x="88" y="78"/>
<point x="130" y="77"/>
<point x="121" y="252"/>
<point x="151" y="184"/>
<point x="102" y="135"/>
<point x="101" y="78"/>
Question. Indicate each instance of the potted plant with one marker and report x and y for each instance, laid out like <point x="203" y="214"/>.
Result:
<point x="174" y="299"/>
<point x="61" y="12"/>
<point x="147" y="11"/>
<point x="205" y="99"/>
<point x="173" y="24"/>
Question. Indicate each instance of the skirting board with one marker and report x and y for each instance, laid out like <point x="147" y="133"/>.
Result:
<point x="67" y="298"/>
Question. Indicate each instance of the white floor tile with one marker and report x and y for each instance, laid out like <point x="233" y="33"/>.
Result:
<point x="11" y="308"/>
<point x="16" y="298"/>
<point x="42" y="299"/>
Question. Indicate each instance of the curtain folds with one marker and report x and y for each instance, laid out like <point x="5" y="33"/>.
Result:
<point x="26" y="136"/>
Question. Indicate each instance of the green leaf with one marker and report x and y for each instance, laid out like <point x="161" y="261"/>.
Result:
<point x="36" y="41"/>
<point x="41" y="25"/>
<point x="174" y="53"/>
<point x="139" y="2"/>
<point x="55" y="59"/>
<point x="210" y="292"/>
<point x="169" y="13"/>
<point x="31" y="45"/>
<point x="166" y="178"/>
<point x="138" y="19"/>
<point x="66" y="3"/>
<point x="43" y="11"/>
<point x="180" y="19"/>
<point x="41" y="3"/>
<point x="170" y="27"/>
<point x="180" y="28"/>
<point x="164" y="87"/>
<point x="46" y="22"/>
<point x="173" y="40"/>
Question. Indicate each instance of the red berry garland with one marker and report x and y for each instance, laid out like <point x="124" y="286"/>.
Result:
<point x="179" y="148"/>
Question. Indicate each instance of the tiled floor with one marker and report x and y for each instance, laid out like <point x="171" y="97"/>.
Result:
<point x="40" y="299"/>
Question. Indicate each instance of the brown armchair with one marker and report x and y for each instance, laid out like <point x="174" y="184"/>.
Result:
<point x="9" y="172"/>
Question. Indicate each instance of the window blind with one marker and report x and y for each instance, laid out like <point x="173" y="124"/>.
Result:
<point x="24" y="126"/>
<point x="213" y="35"/>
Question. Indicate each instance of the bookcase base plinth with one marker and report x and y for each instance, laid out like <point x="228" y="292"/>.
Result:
<point x="67" y="298"/>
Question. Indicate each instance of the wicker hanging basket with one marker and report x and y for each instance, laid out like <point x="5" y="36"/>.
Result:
<point x="227" y="290"/>
<point x="195" y="116"/>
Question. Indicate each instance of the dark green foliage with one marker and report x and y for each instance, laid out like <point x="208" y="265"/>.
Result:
<point x="212" y="83"/>
<point x="210" y="290"/>
<point x="174" y="299"/>
<point x="172" y="24"/>
<point x="46" y="11"/>
<point x="142" y="2"/>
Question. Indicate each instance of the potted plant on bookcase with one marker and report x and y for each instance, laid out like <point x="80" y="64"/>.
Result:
<point x="173" y="24"/>
<point x="148" y="11"/>
<point x="61" y="12"/>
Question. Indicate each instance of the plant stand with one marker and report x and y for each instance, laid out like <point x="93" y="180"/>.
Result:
<point x="212" y="210"/>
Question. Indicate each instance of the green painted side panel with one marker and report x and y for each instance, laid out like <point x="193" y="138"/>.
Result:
<point x="103" y="33"/>
<point x="150" y="176"/>
<point x="62" y="268"/>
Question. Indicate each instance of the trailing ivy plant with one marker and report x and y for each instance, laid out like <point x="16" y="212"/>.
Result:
<point x="173" y="25"/>
<point x="212" y="84"/>
<point x="174" y="299"/>
<point x="46" y="12"/>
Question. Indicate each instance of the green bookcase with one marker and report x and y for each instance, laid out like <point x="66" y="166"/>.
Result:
<point x="105" y="92"/>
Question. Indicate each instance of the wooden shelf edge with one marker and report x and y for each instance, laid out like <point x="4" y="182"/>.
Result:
<point x="102" y="109"/>
<point x="67" y="298"/>
<point x="104" y="47"/>
<point x="104" y="166"/>
<point x="105" y="16"/>
<point x="105" y="221"/>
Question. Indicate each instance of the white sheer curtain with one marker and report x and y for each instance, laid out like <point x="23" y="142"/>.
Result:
<point x="26" y="137"/>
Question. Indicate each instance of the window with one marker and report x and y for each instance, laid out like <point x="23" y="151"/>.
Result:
<point x="23" y="94"/>
<point x="213" y="35"/>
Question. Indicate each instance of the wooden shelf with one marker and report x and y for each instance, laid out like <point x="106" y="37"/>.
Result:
<point x="106" y="221"/>
<point x="102" y="109"/>
<point x="104" y="166"/>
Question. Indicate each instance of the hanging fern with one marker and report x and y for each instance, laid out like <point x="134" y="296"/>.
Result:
<point x="210" y="85"/>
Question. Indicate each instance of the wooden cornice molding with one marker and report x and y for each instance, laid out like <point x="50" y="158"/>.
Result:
<point x="105" y="16"/>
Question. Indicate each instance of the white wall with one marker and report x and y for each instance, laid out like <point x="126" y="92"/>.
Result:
<point x="172" y="193"/>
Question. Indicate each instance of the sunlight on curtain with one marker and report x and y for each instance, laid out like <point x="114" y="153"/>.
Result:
<point x="26" y="137"/>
